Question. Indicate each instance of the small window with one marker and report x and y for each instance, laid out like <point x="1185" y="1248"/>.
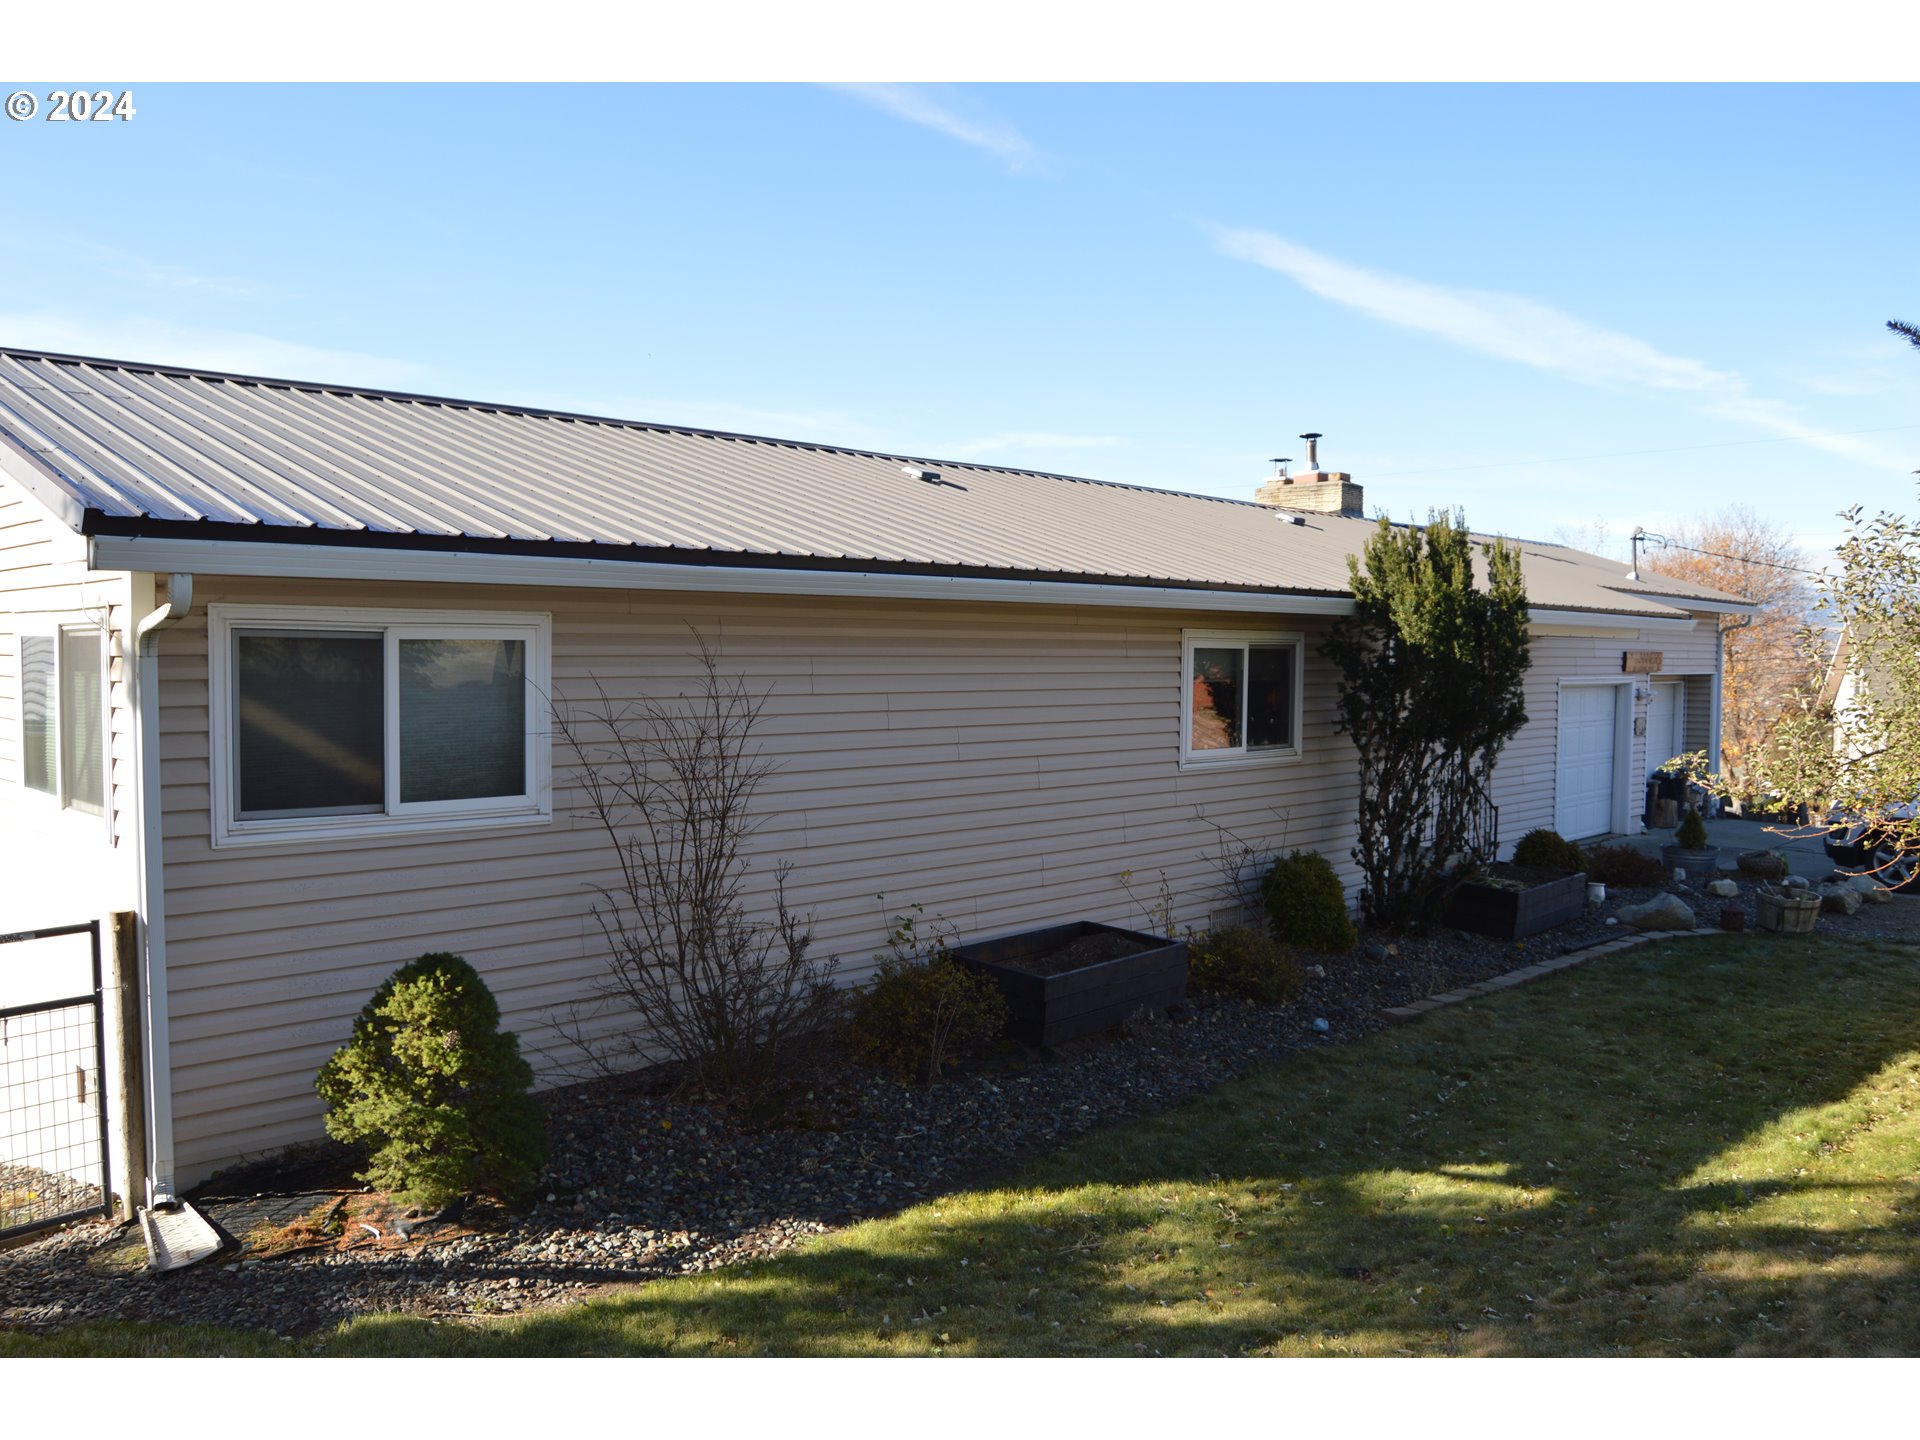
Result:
<point x="62" y="717"/>
<point x="1242" y="697"/>
<point x="357" y="722"/>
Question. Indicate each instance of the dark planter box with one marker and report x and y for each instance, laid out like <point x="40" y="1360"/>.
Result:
<point x="1046" y="1009"/>
<point x="1551" y="897"/>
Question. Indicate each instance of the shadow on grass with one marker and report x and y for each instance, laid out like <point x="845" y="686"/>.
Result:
<point x="1704" y="1147"/>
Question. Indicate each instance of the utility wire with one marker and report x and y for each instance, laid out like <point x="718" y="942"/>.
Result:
<point x="1667" y="544"/>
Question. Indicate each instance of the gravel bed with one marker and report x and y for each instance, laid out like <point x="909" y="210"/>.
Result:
<point x="645" y="1184"/>
<point x="29" y="1196"/>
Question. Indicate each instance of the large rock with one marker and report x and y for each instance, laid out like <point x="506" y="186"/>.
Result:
<point x="1725" y="889"/>
<point x="1871" y="890"/>
<point x="1663" y="912"/>
<point x="1839" y="899"/>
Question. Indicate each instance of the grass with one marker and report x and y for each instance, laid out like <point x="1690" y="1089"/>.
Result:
<point x="1700" y="1148"/>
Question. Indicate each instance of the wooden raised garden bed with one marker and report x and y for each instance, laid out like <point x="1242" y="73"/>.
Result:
<point x="1511" y="901"/>
<point x="1070" y="980"/>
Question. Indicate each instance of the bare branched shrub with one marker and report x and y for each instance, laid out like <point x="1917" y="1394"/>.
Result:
<point x="1240" y="865"/>
<point x="726" y="991"/>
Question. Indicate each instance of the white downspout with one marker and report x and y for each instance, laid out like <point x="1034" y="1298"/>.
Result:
<point x="152" y="880"/>
<point x="1713" y="700"/>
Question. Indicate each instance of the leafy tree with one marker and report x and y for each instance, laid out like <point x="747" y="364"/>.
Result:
<point x="1761" y="670"/>
<point x="1431" y="668"/>
<point x="1855" y="744"/>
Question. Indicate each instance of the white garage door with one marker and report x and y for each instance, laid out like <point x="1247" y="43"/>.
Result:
<point x="1586" y="776"/>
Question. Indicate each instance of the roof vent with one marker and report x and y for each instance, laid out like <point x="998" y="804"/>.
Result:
<point x="914" y="472"/>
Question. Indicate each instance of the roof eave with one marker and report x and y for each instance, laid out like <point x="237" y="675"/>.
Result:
<point x="625" y="568"/>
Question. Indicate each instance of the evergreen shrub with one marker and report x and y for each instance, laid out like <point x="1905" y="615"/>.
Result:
<point x="1246" y="962"/>
<point x="1545" y="849"/>
<point x="1624" y="866"/>
<point x="434" y="1090"/>
<point x="1692" y="834"/>
<point x="1306" y="904"/>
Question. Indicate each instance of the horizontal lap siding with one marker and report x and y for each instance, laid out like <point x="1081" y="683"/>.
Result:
<point x="1001" y="766"/>
<point x="44" y="579"/>
<point x="1524" y="781"/>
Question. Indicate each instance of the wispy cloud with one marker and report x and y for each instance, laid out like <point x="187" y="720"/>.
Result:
<point x="162" y="275"/>
<point x="233" y="350"/>
<point x="1512" y="327"/>
<point x="912" y="103"/>
<point x="1027" y="440"/>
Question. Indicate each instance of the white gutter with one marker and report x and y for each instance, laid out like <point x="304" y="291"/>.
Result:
<point x="152" y="881"/>
<point x="340" y="562"/>
<point x="1611" y="620"/>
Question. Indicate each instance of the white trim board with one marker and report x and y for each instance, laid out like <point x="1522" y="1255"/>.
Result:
<point x="331" y="562"/>
<point x="396" y="818"/>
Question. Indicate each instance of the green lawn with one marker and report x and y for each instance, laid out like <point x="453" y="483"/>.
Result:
<point x="1701" y="1147"/>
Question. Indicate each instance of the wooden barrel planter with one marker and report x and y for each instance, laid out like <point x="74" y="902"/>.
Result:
<point x="1070" y="980"/>
<point x="1786" y="914"/>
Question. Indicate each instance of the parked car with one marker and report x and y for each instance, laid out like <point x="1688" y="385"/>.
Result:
<point x="1865" y="844"/>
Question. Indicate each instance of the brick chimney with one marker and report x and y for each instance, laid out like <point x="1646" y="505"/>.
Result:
<point x="1320" y="492"/>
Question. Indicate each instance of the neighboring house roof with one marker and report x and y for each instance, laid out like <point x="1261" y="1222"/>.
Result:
<point x="158" y="451"/>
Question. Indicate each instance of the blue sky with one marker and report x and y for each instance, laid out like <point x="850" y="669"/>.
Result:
<point x="1559" y="306"/>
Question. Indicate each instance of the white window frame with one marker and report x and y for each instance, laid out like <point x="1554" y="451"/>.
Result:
<point x="56" y="806"/>
<point x="1191" y="640"/>
<point x="533" y="807"/>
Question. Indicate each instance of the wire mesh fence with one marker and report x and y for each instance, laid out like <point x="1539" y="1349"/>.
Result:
<point x="53" y="1137"/>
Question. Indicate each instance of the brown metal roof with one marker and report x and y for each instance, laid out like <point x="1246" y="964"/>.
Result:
<point x="167" y="450"/>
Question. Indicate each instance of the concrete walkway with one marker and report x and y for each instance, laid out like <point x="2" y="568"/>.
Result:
<point x="1804" y="852"/>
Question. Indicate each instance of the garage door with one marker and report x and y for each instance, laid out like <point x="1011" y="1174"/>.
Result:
<point x="1585" y="788"/>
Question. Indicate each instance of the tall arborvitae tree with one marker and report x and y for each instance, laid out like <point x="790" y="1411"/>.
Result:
<point x="1431" y="670"/>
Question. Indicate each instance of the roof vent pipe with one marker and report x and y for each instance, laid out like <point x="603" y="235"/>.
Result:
<point x="1312" y="437"/>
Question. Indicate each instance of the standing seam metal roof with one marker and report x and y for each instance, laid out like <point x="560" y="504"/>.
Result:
<point x="168" y="450"/>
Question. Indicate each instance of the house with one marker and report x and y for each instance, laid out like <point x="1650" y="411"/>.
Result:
<point x="277" y="659"/>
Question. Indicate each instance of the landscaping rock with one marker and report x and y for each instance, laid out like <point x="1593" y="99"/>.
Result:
<point x="1663" y="912"/>
<point x="1795" y="882"/>
<point x="1725" y="889"/>
<point x="1871" y="890"/>
<point x="1839" y="899"/>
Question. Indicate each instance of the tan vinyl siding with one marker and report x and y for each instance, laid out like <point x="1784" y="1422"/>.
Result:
<point x="1524" y="783"/>
<point x="999" y="765"/>
<point x="44" y="582"/>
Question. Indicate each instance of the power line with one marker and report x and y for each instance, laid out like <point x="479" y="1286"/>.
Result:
<point x="1667" y="544"/>
<point x="1629" y="454"/>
